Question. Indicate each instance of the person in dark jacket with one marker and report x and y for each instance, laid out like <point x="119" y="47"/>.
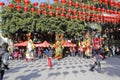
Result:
<point x="2" y="68"/>
<point x="4" y="53"/>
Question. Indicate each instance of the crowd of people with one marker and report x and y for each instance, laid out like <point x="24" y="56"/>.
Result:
<point x="21" y="54"/>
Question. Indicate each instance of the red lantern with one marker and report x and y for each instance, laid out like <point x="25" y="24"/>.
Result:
<point x="18" y="7"/>
<point x="63" y="9"/>
<point x="88" y="7"/>
<point x="79" y="12"/>
<point x="2" y="4"/>
<point x="69" y="10"/>
<point x="56" y="14"/>
<point x="51" y="13"/>
<point x="100" y="1"/>
<point x="80" y="17"/>
<point x="76" y="17"/>
<point x="103" y="10"/>
<point x="67" y="16"/>
<point x="74" y="12"/>
<point x="111" y="3"/>
<point x="18" y="1"/>
<point x="10" y="5"/>
<point x="88" y="14"/>
<point x="57" y="9"/>
<point x="70" y="3"/>
<point x="63" y="2"/>
<point x="42" y="6"/>
<point x="39" y="11"/>
<point x="83" y="12"/>
<point x="62" y="14"/>
<point x="98" y="9"/>
<point x="56" y="1"/>
<point x="49" y="7"/>
<point x="76" y="4"/>
<point x="35" y="4"/>
<point x="93" y="8"/>
<point x="106" y="1"/>
<point x="71" y="16"/>
<point x="108" y="11"/>
<point x="25" y="8"/>
<point x="45" y="12"/>
<point x="83" y="6"/>
<point x="32" y="10"/>
<point x="26" y="2"/>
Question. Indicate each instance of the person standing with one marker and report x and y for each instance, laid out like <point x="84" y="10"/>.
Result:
<point x="40" y="55"/>
<point x="30" y="50"/>
<point x="4" y="55"/>
<point x="97" y="57"/>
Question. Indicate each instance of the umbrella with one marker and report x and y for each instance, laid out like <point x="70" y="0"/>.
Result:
<point x="44" y="44"/>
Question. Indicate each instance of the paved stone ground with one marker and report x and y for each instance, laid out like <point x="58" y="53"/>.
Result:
<point x="69" y="68"/>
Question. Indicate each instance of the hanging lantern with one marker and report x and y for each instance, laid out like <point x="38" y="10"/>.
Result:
<point x="32" y="10"/>
<point x="18" y="1"/>
<point x="116" y="4"/>
<point x="39" y="11"/>
<point x="63" y="2"/>
<point x="49" y="7"/>
<point x="18" y="7"/>
<point x="98" y="9"/>
<point x="80" y="17"/>
<point x="2" y="4"/>
<point x="45" y="12"/>
<point x="88" y="7"/>
<point x="74" y="12"/>
<point x="111" y="3"/>
<point x="100" y="1"/>
<point x="35" y="4"/>
<point x="94" y="1"/>
<point x="57" y="9"/>
<point x="26" y="2"/>
<point x="83" y="6"/>
<point x="108" y="11"/>
<point x="63" y="9"/>
<point x="56" y="1"/>
<point x="93" y="8"/>
<point x="71" y="17"/>
<point x="79" y="12"/>
<point x="10" y="5"/>
<point x="76" y="4"/>
<point x="25" y="8"/>
<point x="102" y="10"/>
<point x="56" y="14"/>
<point x="51" y="13"/>
<point x="76" y="17"/>
<point x="106" y="1"/>
<point x="69" y="10"/>
<point x="88" y="14"/>
<point x="67" y="16"/>
<point x="70" y="3"/>
<point x="84" y="13"/>
<point x="62" y="15"/>
<point x="42" y="6"/>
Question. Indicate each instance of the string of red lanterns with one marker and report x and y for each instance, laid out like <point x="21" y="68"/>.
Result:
<point x="71" y="13"/>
